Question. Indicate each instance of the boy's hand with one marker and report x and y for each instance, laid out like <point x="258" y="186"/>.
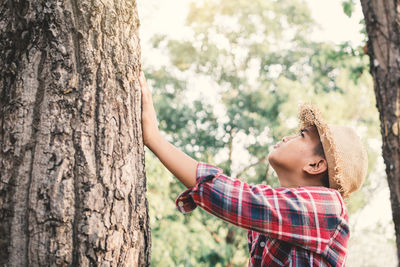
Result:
<point x="149" y="118"/>
<point x="177" y="162"/>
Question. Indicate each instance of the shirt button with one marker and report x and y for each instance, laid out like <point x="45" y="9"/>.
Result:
<point x="262" y="244"/>
<point x="180" y="203"/>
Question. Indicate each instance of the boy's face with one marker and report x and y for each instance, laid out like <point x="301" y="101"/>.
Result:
<point x="294" y="153"/>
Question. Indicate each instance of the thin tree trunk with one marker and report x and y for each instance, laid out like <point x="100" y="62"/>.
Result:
<point x="383" y="21"/>
<point x="72" y="182"/>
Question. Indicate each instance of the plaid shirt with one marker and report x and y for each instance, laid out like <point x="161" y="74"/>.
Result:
<point x="304" y="226"/>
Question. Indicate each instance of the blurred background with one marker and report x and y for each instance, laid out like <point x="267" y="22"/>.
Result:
<point x="227" y="78"/>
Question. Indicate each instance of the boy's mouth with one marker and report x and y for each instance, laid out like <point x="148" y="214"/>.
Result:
<point x="277" y="145"/>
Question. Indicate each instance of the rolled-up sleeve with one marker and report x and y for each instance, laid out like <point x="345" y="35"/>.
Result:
<point x="204" y="172"/>
<point x="307" y="216"/>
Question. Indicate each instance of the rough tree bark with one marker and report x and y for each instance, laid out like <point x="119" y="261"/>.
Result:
<point x="383" y="27"/>
<point x="72" y="182"/>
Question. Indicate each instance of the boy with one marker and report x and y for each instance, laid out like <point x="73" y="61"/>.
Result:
<point x="302" y="223"/>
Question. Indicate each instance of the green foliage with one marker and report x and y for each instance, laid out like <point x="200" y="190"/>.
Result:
<point x="348" y="7"/>
<point x="258" y="57"/>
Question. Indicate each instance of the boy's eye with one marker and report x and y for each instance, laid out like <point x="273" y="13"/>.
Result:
<point x="301" y="133"/>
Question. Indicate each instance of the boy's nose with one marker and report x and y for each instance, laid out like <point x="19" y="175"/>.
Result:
<point x="287" y="138"/>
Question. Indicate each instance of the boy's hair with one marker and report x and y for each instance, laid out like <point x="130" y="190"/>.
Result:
<point x="319" y="150"/>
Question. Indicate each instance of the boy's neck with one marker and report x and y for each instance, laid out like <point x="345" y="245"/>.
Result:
<point x="293" y="180"/>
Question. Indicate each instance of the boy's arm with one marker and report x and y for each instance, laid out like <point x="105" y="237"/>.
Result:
<point x="176" y="161"/>
<point x="308" y="217"/>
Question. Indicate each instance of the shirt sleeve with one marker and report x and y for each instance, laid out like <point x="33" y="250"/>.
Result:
<point x="306" y="216"/>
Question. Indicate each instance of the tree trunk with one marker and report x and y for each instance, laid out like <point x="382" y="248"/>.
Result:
<point x="383" y="28"/>
<point x="72" y="182"/>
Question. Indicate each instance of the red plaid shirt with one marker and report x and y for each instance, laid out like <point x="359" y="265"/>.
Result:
<point x="304" y="226"/>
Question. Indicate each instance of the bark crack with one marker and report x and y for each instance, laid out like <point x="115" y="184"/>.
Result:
<point x="77" y="217"/>
<point x="97" y="133"/>
<point x="75" y="38"/>
<point x="389" y="32"/>
<point x="75" y="241"/>
<point x="34" y="134"/>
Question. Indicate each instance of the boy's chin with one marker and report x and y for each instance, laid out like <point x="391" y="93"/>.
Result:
<point x="275" y="160"/>
<point x="272" y="157"/>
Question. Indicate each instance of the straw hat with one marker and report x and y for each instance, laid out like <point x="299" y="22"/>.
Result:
<point x="344" y="152"/>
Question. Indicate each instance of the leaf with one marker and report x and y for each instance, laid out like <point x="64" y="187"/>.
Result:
<point x="348" y="7"/>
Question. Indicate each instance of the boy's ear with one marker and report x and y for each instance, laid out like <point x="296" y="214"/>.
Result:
<point x="317" y="166"/>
